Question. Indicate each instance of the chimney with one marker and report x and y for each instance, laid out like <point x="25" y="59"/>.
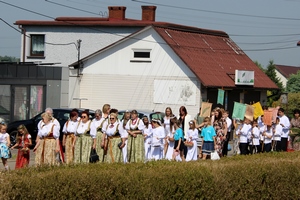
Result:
<point x="116" y="12"/>
<point x="148" y="13"/>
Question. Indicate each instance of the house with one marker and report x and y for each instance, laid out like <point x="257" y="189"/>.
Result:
<point x="143" y="63"/>
<point x="284" y="72"/>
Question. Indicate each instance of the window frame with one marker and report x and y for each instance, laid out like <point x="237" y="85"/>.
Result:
<point x="141" y="59"/>
<point x="31" y="45"/>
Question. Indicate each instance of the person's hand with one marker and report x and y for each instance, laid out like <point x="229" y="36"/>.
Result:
<point x="123" y="145"/>
<point x="134" y="135"/>
<point x="177" y="148"/>
<point x="102" y="144"/>
<point x="12" y="148"/>
<point x="94" y="146"/>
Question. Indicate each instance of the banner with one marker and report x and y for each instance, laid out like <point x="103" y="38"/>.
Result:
<point x="258" y="111"/>
<point x="220" y="96"/>
<point x="205" y="109"/>
<point x="268" y="115"/>
<point x="249" y="112"/>
<point x="274" y="113"/>
<point x="239" y="110"/>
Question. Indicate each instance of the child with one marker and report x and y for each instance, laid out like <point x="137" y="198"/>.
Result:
<point x="192" y="135"/>
<point x="4" y="145"/>
<point x="244" y="133"/>
<point x="277" y="135"/>
<point x="23" y="144"/>
<point x="255" y="136"/>
<point x="178" y="137"/>
<point x="208" y="134"/>
<point x="147" y="133"/>
<point x="268" y="134"/>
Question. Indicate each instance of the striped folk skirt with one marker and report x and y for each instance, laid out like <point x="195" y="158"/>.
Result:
<point x="83" y="146"/>
<point x="136" y="149"/>
<point x="114" y="153"/>
<point x="69" y="151"/>
<point x="99" y="149"/>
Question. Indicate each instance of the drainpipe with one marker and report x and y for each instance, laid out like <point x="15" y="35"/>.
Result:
<point x="24" y="42"/>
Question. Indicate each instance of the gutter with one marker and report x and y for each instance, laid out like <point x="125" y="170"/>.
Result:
<point x="24" y="42"/>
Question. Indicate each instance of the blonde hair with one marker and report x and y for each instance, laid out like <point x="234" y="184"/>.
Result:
<point x="47" y="115"/>
<point x="105" y="108"/>
<point x="207" y="119"/>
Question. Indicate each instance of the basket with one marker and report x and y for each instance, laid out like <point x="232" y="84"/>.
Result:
<point x="189" y="144"/>
<point x="171" y="139"/>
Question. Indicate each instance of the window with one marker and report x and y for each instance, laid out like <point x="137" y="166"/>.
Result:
<point x="37" y="45"/>
<point x="141" y="55"/>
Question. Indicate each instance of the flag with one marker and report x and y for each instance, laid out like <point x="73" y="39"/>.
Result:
<point x="220" y="96"/>
<point x="239" y="110"/>
<point x="249" y="112"/>
<point x="268" y="114"/>
<point x="205" y="109"/>
<point x="258" y="111"/>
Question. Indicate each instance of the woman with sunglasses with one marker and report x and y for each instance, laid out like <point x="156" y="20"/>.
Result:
<point x="84" y="140"/>
<point x="136" y="149"/>
<point x="111" y="131"/>
<point x="23" y="144"/>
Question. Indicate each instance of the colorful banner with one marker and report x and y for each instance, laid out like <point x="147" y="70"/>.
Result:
<point x="258" y="111"/>
<point x="274" y="113"/>
<point x="239" y="110"/>
<point x="249" y="112"/>
<point x="205" y="109"/>
<point x="220" y="96"/>
<point x="268" y="115"/>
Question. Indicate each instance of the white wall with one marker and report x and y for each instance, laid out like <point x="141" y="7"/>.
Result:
<point x="281" y="78"/>
<point x="111" y="78"/>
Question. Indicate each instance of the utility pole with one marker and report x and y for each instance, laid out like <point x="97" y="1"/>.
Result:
<point x="78" y="56"/>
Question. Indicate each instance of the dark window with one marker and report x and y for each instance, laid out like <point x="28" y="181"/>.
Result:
<point x="37" y="45"/>
<point x="141" y="54"/>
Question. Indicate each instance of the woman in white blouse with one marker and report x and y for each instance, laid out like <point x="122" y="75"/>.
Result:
<point x="69" y="131"/>
<point x="48" y="147"/>
<point x="111" y="131"/>
<point x="84" y="140"/>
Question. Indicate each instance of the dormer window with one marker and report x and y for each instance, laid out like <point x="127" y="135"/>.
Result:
<point x="141" y="55"/>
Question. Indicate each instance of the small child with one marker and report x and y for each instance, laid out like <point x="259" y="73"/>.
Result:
<point x="208" y="134"/>
<point x="178" y="137"/>
<point x="255" y="136"/>
<point x="277" y="131"/>
<point x="192" y="135"/>
<point x="268" y="134"/>
<point x="4" y="145"/>
<point x="23" y="144"/>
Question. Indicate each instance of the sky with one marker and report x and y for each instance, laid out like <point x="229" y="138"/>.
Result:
<point x="264" y="29"/>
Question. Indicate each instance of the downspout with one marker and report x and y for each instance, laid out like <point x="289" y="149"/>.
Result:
<point x="24" y="42"/>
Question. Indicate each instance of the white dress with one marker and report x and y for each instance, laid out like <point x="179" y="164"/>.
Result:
<point x="157" y="142"/>
<point x="192" y="136"/>
<point x="147" y="132"/>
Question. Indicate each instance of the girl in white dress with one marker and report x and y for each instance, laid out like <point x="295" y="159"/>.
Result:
<point x="147" y="132"/>
<point x="167" y="118"/>
<point x="157" y="139"/>
<point x="192" y="136"/>
<point x="170" y="139"/>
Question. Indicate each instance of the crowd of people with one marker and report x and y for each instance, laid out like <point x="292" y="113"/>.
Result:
<point x="131" y="139"/>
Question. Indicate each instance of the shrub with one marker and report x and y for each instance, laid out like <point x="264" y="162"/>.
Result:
<point x="263" y="176"/>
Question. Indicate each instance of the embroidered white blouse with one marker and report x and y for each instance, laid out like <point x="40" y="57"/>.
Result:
<point x="46" y="129"/>
<point x="70" y="127"/>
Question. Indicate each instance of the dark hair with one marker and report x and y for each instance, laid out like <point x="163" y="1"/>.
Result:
<point x="113" y="110"/>
<point x="73" y="114"/>
<point x="219" y="115"/>
<point x="182" y="108"/>
<point x="75" y="110"/>
<point x="296" y="111"/>
<point x="85" y="112"/>
<point x="281" y="110"/>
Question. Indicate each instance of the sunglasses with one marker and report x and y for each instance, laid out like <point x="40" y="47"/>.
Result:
<point x="84" y="117"/>
<point x="111" y="118"/>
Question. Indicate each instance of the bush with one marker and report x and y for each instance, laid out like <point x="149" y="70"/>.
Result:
<point x="264" y="176"/>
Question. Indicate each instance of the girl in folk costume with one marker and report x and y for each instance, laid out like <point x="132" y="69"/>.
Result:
<point x="178" y="141"/>
<point x="208" y="134"/>
<point x="192" y="136"/>
<point x="294" y="133"/>
<point x="23" y="144"/>
<point x="220" y="127"/>
<point x="124" y="135"/>
<point x="84" y="140"/>
<point x="147" y="133"/>
<point x="111" y="131"/>
<point x="170" y="138"/>
<point x="268" y="135"/>
<point x="96" y="129"/>
<point x="167" y="118"/>
<point x="157" y="140"/>
<point x="69" y="131"/>
<point x="4" y="145"/>
<point x="48" y="149"/>
<point x="254" y="138"/>
<point x="244" y="133"/>
<point x="135" y="144"/>
<point x="277" y="132"/>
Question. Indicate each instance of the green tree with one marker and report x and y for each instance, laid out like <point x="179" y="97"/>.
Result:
<point x="274" y="94"/>
<point x="260" y="66"/>
<point x="293" y="84"/>
<point x="9" y="59"/>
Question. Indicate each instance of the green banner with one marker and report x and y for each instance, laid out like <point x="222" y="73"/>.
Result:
<point x="220" y="96"/>
<point x="239" y="110"/>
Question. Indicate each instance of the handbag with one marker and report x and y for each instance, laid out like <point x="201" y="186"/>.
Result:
<point x="94" y="156"/>
<point x="189" y="144"/>
<point x="214" y="156"/>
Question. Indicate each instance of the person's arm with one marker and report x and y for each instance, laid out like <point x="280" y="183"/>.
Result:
<point x="8" y="140"/>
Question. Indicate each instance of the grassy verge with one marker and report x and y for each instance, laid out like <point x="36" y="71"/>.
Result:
<point x="265" y="176"/>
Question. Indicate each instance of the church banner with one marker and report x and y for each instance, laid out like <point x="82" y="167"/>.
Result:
<point x="239" y="110"/>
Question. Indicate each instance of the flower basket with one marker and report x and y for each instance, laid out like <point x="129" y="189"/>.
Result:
<point x="189" y="144"/>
